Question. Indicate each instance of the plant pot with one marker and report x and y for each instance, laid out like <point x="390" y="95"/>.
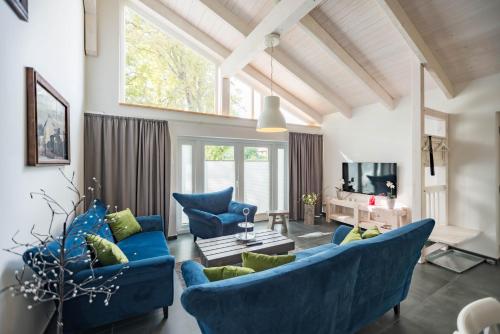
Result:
<point x="340" y="195"/>
<point x="308" y="214"/>
<point x="390" y="202"/>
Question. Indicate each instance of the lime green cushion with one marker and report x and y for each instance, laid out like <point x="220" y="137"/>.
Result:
<point x="353" y="235"/>
<point x="105" y="251"/>
<point x="260" y="262"/>
<point x="123" y="224"/>
<point x="220" y="273"/>
<point x="370" y="233"/>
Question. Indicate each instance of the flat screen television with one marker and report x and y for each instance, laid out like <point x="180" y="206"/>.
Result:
<point x="369" y="178"/>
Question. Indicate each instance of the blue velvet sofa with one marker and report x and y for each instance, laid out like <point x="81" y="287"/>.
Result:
<point x="328" y="289"/>
<point x="214" y="214"/>
<point x="145" y="285"/>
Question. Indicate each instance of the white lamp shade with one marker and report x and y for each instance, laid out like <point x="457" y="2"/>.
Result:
<point x="271" y="119"/>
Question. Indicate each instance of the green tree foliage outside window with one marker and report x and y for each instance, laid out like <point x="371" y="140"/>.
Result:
<point x="219" y="153"/>
<point x="161" y="71"/>
<point x="256" y="154"/>
<point x="226" y="153"/>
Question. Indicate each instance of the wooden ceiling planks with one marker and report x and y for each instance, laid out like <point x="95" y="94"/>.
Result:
<point x="464" y="35"/>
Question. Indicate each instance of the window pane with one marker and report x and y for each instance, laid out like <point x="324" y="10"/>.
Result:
<point x="434" y="126"/>
<point x="281" y="179"/>
<point x="241" y="99"/>
<point x="219" y="167"/>
<point x="186" y="176"/>
<point x="257" y="175"/>
<point x="161" y="71"/>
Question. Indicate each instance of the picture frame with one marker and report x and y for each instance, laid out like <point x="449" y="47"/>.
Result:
<point x="20" y="7"/>
<point x="47" y="122"/>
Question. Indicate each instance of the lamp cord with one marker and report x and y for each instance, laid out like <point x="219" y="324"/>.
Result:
<point x="272" y="51"/>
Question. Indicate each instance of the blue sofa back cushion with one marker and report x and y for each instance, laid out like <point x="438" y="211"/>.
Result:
<point x="215" y="202"/>
<point x="92" y="221"/>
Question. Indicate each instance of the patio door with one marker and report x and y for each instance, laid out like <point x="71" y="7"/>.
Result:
<point x="256" y="170"/>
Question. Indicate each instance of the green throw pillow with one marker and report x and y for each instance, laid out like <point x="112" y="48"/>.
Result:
<point x="260" y="262"/>
<point x="370" y="233"/>
<point x="123" y="224"/>
<point x="219" y="273"/>
<point x="353" y="235"/>
<point x="105" y="251"/>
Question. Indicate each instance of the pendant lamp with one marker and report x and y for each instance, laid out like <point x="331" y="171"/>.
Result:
<point x="271" y="119"/>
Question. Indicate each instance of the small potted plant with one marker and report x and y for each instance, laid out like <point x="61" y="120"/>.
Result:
<point x="310" y="200"/>
<point x="391" y="198"/>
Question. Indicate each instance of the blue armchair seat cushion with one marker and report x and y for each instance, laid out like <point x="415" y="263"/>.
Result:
<point x="144" y="245"/>
<point x="230" y="218"/>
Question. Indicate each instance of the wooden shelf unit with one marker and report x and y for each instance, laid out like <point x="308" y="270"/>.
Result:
<point x="352" y="213"/>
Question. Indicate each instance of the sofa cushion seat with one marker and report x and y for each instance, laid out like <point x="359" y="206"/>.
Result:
<point x="144" y="245"/>
<point x="231" y="218"/>
<point x="313" y="251"/>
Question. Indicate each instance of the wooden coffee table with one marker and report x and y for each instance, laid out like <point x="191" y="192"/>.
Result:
<point x="225" y="250"/>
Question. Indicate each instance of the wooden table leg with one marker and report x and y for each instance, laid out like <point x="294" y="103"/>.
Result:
<point x="284" y="222"/>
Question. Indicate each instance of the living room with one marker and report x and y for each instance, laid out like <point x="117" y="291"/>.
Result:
<point x="257" y="139"/>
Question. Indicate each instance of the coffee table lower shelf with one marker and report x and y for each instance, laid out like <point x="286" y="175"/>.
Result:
<point x="227" y="249"/>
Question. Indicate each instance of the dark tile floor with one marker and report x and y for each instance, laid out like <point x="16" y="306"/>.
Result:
<point x="436" y="295"/>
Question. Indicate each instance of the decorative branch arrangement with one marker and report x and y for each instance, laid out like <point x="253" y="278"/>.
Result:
<point x="52" y="257"/>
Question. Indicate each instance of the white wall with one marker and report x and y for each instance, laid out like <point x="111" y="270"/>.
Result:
<point x="102" y="96"/>
<point x="474" y="153"/>
<point x="372" y="134"/>
<point x="375" y="134"/>
<point x="52" y="43"/>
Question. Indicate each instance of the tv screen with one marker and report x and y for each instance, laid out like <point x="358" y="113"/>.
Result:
<point x="369" y="178"/>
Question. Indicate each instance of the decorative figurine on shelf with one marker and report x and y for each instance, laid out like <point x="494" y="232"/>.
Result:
<point x="371" y="201"/>
<point x="246" y="236"/>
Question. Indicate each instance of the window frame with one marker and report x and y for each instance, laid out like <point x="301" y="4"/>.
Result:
<point x="203" y="51"/>
<point x="198" y="171"/>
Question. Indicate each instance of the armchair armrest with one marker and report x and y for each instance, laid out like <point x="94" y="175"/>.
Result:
<point x="193" y="274"/>
<point x="237" y="207"/>
<point x="151" y="223"/>
<point x="160" y="267"/>
<point x="202" y="216"/>
<point x="340" y="234"/>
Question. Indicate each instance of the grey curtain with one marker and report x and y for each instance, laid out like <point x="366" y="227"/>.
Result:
<point x="305" y="170"/>
<point x="130" y="158"/>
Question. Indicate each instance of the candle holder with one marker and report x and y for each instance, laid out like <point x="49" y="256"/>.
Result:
<point x="246" y="236"/>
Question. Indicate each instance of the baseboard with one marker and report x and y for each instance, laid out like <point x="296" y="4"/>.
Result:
<point x="172" y="237"/>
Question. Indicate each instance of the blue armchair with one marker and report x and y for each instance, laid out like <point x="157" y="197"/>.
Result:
<point x="214" y="214"/>
<point x="145" y="285"/>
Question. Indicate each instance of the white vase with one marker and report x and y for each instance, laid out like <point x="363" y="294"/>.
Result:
<point x="390" y="202"/>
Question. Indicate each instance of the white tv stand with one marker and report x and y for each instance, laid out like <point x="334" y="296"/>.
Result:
<point x="352" y="212"/>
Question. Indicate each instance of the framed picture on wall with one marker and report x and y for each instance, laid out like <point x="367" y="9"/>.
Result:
<point x="20" y="7"/>
<point x="48" y="122"/>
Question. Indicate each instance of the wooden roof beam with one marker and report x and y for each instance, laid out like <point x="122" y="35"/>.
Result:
<point x="282" y="58"/>
<point x="334" y="49"/>
<point x="407" y="29"/>
<point x="174" y="21"/>
<point x="283" y="16"/>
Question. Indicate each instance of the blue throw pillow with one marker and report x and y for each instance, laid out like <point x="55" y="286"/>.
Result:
<point x="90" y="222"/>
